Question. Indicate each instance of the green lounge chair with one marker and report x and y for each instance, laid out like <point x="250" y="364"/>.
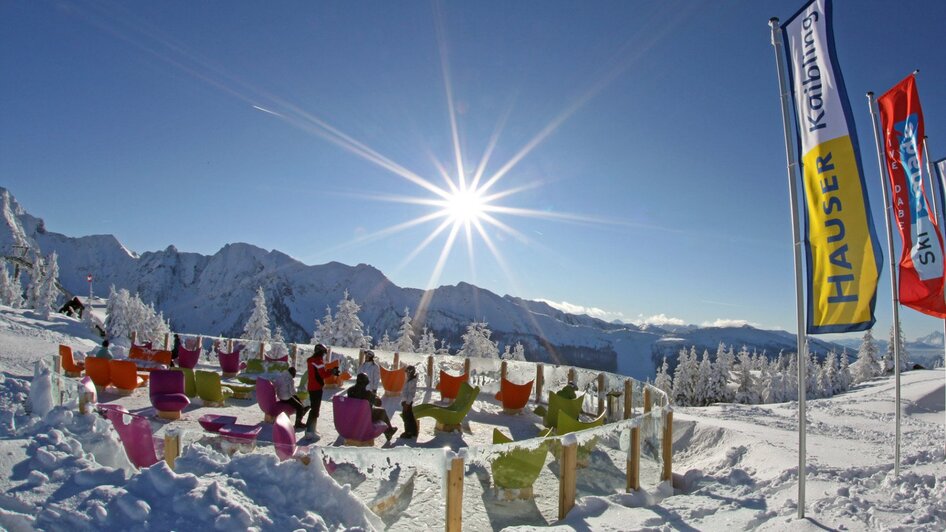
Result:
<point x="567" y="424"/>
<point x="557" y="404"/>
<point x="449" y="417"/>
<point x="209" y="389"/>
<point x="514" y="472"/>
<point x="303" y="388"/>
<point x="254" y="365"/>
<point x="190" y="382"/>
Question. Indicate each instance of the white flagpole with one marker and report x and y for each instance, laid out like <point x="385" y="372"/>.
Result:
<point x="802" y="350"/>
<point x="888" y="214"/>
<point x="934" y="183"/>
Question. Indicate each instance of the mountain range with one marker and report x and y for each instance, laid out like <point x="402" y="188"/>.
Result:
<point x="213" y="294"/>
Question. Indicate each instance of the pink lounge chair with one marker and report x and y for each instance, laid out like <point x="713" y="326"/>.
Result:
<point x="241" y="435"/>
<point x="284" y="440"/>
<point x="215" y="422"/>
<point x="353" y="421"/>
<point x="135" y="433"/>
<point x="284" y="358"/>
<point x="230" y="363"/>
<point x="187" y="358"/>
<point x="166" y="388"/>
<point x="268" y="402"/>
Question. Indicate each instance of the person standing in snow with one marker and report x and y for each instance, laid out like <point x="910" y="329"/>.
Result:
<point x="407" y="403"/>
<point x="285" y="385"/>
<point x="372" y="370"/>
<point x="360" y="390"/>
<point x="317" y="374"/>
<point x="103" y="351"/>
<point x="176" y="350"/>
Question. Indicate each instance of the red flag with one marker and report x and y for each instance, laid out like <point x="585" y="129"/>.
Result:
<point x="921" y="261"/>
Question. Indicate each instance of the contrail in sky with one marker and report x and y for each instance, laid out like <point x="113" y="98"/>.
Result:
<point x="274" y="113"/>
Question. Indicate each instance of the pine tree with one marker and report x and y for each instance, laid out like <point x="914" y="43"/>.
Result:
<point x="704" y="394"/>
<point x="36" y="281"/>
<point x="349" y="331"/>
<point x="519" y="352"/>
<point x="663" y="381"/>
<point x="725" y="360"/>
<point x="828" y="378"/>
<point x="127" y="313"/>
<point x="745" y="382"/>
<point x="844" y="373"/>
<point x="48" y="289"/>
<point x="325" y="330"/>
<point x="812" y="389"/>
<point x="257" y="326"/>
<point x="16" y="290"/>
<point x="386" y="344"/>
<point x="476" y="342"/>
<point x="405" y="339"/>
<point x="866" y="367"/>
<point x="279" y="344"/>
<point x="685" y="378"/>
<point x="887" y="362"/>
<point x="427" y="343"/>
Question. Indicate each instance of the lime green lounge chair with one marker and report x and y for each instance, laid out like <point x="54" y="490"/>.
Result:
<point x="190" y="382"/>
<point x="209" y="389"/>
<point x="254" y="365"/>
<point x="303" y="388"/>
<point x="567" y="424"/>
<point x="514" y="472"/>
<point x="558" y="404"/>
<point x="449" y="417"/>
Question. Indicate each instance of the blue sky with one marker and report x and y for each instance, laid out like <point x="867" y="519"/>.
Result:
<point x="649" y="137"/>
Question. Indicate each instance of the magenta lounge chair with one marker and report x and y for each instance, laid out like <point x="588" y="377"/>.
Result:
<point x="284" y="440"/>
<point x="229" y="363"/>
<point x="140" y="444"/>
<point x="353" y="421"/>
<point x="268" y="402"/>
<point x="166" y="388"/>
<point x="187" y="358"/>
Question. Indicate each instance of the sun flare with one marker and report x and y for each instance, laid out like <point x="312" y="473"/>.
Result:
<point x="465" y="206"/>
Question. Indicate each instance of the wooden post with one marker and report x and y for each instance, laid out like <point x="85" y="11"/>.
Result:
<point x="229" y="345"/>
<point x="628" y="399"/>
<point x="571" y="376"/>
<point x="167" y="341"/>
<point x="539" y="381"/>
<point x="455" y="496"/>
<point x="172" y="448"/>
<point x="667" y="473"/>
<point x="57" y="364"/>
<point x="601" y="396"/>
<point x="430" y="372"/>
<point x="293" y="354"/>
<point x="361" y="357"/>
<point x="568" y="469"/>
<point x="397" y="361"/>
<point x="503" y="370"/>
<point x="134" y="337"/>
<point x="634" y="461"/>
<point x="262" y="349"/>
<point x="200" y="344"/>
<point x="466" y="368"/>
<point x="646" y="400"/>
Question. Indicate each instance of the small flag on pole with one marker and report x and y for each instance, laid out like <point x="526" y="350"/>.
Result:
<point x="921" y="259"/>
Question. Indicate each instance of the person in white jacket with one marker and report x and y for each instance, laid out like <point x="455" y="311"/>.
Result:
<point x="372" y="370"/>
<point x="407" y="403"/>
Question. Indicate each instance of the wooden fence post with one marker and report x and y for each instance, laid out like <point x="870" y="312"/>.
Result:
<point x="397" y="361"/>
<point x="502" y="370"/>
<point x="455" y="496"/>
<point x="466" y="368"/>
<point x="167" y="341"/>
<point x="571" y="376"/>
<point x="646" y="400"/>
<point x="628" y="399"/>
<point x="634" y="461"/>
<point x="229" y="345"/>
<point x="667" y="473"/>
<point x="262" y="349"/>
<point x="172" y="447"/>
<point x="134" y="337"/>
<point x="200" y="344"/>
<point x="539" y="381"/>
<point x="361" y="357"/>
<point x="430" y="372"/>
<point x="601" y="394"/>
<point x="294" y="354"/>
<point x="568" y="469"/>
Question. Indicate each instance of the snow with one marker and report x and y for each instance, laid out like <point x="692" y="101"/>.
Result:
<point x="735" y="466"/>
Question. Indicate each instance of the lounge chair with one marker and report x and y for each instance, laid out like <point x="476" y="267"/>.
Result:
<point x="69" y="365"/>
<point x="268" y="402"/>
<point x="393" y="381"/>
<point x="166" y="389"/>
<point x="239" y="436"/>
<point x="230" y="363"/>
<point x="209" y="389"/>
<point x="142" y="448"/>
<point x="514" y="397"/>
<point x="449" y="417"/>
<point x="284" y="358"/>
<point x="215" y="422"/>
<point x="98" y="370"/>
<point x="190" y="382"/>
<point x="254" y="366"/>
<point x="558" y="403"/>
<point x="449" y="385"/>
<point x="150" y="358"/>
<point x="284" y="440"/>
<point x="124" y="375"/>
<point x="187" y="358"/>
<point x="567" y="424"/>
<point x="353" y="422"/>
<point x="515" y="471"/>
<point x="335" y="381"/>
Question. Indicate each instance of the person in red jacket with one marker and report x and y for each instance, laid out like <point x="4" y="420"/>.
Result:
<point x="315" y="365"/>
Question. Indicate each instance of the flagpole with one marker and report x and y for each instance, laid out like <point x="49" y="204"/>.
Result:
<point x="888" y="214"/>
<point x="802" y="349"/>
<point x="931" y="172"/>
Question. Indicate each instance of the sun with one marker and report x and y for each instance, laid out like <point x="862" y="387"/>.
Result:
<point x="465" y="206"/>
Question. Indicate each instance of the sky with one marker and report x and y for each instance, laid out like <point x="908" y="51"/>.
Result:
<point x="633" y="150"/>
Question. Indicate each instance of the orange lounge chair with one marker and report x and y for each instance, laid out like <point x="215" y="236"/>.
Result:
<point x="124" y="375"/>
<point x="151" y="356"/>
<point x="69" y="365"/>
<point x="334" y="381"/>
<point x="99" y="371"/>
<point x="449" y="385"/>
<point x="514" y="397"/>
<point x="393" y="381"/>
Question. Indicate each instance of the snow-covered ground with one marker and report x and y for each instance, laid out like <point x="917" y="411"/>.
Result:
<point x="736" y="467"/>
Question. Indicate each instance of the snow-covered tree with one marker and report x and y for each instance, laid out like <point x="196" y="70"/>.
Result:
<point x="663" y="381"/>
<point x="325" y="329"/>
<point x="773" y="383"/>
<point x="279" y="344"/>
<point x="746" y="391"/>
<point x="722" y="369"/>
<point x="476" y="342"/>
<point x="257" y="326"/>
<point x="36" y="280"/>
<point x="349" y="331"/>
<point x="386" y="344"/>
<point x="828" y="377"/>
<point x="812" y="390"/>
<point x="427" y="343"/>
<point x="704" y="395"/>
<point x="791" y="378"/>
<point x="685" y="377"/>
<point x="887" y="362"/>
<point x="43" y="285"/>
<point x="405" y="339"/>
<point x="10" y="291"/>
<point x="127" y="313"/>
<point x="866" y="367"/>
<point x="844" y="373"/>
<point x="517" y="352"/>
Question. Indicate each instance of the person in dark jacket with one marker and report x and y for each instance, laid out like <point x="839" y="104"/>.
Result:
<point x="176" y="350"/>
<point x="407" y="403"/>
<point x="315" y="365"/>
<point x="360" y="390"/>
